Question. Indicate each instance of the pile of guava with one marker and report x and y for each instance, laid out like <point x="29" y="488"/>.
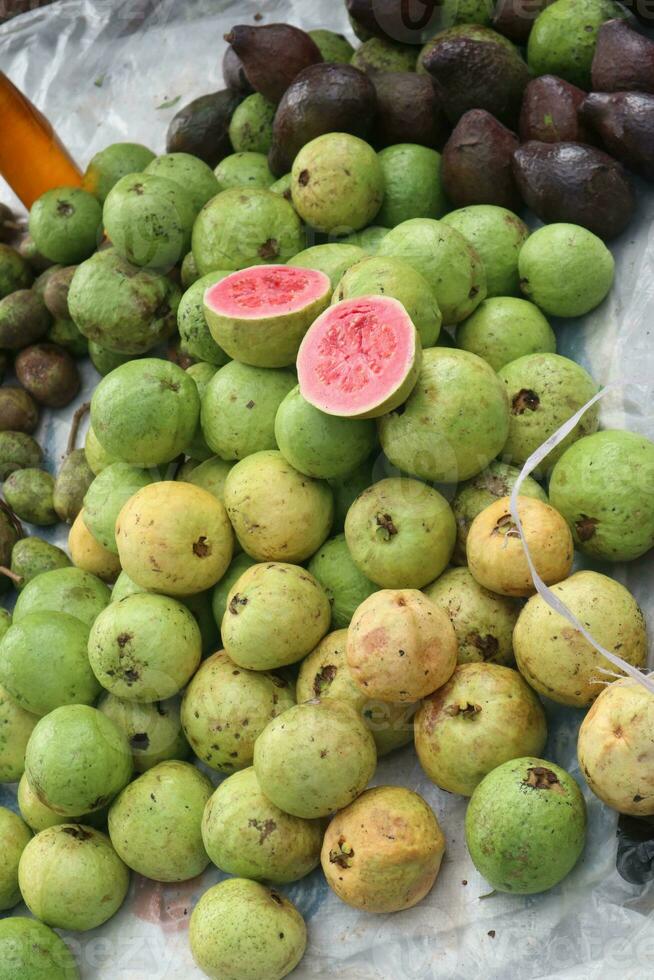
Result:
<point x="333" y="483"/>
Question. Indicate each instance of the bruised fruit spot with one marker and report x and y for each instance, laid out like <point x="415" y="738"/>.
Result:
<point x="385" y="527"/>
<point x="140" y="741"/>
<point x="269" y="249"/>
<point x="77" y="832"/>
<point x="324" y="679"/>
<point x="342" y="854"/>
<point x="539" y="777"/>
<point x="276" y="897"/>
<point x="123" y="639"/>
<point x="497" y="485"/>
<point x="265" y="828"/>
<point x="506" y="526"/>
<point x="304" y="178"/>
<point x="526" y="399"/>
<point x="237" y="600"/>
<point x="131" y="676"/>
<point x="585" y="527"/>
<point x="65" y="209"/>
<point x="487" y="645"/>
<point x="136" y="189"/>
<point x="466" y="709"/>
<point x="201" y="548"/>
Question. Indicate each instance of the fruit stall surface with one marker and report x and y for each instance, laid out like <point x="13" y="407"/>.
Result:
<point x="105" y="71"/>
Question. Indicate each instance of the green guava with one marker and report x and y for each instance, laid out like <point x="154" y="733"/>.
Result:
<point x="33" y="556"/>
<point x="333" y="259"/>
<point x="563" y="38"/>
<point x="106" y="497"/>
<point x="400" y="533"/>
<point x="485" y="715"/>
<point x="125" y="309"/>
<point x="29" y="493"/>
<point x="387" y="276"/>
<point x="333" y="47"/>
<point x="15" y="272"/>
<point x="503" y="329"/>
<point x="497" y="235"/>
<point x="32" y="951"/>
<point x="241" y="930"/>
<point x="413" y="188"/>
<point x="483" y="621"/>
<point x="149" y="220"/>
<point x="277" y="513"/>
<point x="113" y="162"/>
<point x="66" y="224"/>
<point x="526" y="826"/>
<point x="245" y="226"/>
<point x="16" y="835"/>
<point x="225" y="709"/>
<point x="400" y="646"/>
<point x="544" y="391"/>
<point x="155" y="823"/>
<point x="239" y="408"/>
<point x="145" y="412"/>
<point x="472" y="496"/>
<point x="276" y="614"/>
<point x="192" y="174"/>
<point x="196" y="339"/>
<point x="145" y="648"/>
<point x="384" y="851"/>
<point x="345" y="585"/>
<point x="96" y="456"/>
<point x="320" y="445"/>
<point x="337" y="183"/>
<point x="378" y="54"/>
<point x="18" y="451"/>
<point x="614" y="748"/>
<point x="65" y="333"/>
<point x="251" y="126"/>
<point x="315" y="758"/>
<point x="368" y="240"/>
<point x="73" y="480"/>
<point x="325" y="674"/>
<point x="455" y="421"/>
<point x="197" y="449"/>
<point x="219" y="596"/>
<point x="81" y="594"/>
<point x="346" y="489"/>
<point x="198" y="604"/>
<point x="557" y="660"/>
<point x="565" y="269"/>
<point x="16" y="726"/>
<point x="244" y="170"/>
<point x="39" y="817"/>
<point x="174" y="538"/>
<point x="71" y="877"/>
<point x="44" y="664"/>
<point x="77" y="760"/>
<point x="248" y="836"/>
<point x="24" y="320"/>
<point x="603" y="487"/>
<point x="451" y="265"/>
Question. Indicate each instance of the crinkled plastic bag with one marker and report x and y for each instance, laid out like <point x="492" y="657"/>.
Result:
<point x="105" y="70"/>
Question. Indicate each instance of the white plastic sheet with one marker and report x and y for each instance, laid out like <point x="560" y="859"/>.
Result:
<point x="101" y="70"/>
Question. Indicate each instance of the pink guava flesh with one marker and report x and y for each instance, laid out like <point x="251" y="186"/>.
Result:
<point x="265" y="291"/>
<point x="359" y="358"/>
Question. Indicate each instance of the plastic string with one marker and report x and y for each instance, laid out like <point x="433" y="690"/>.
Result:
<point x="647" y="680"/>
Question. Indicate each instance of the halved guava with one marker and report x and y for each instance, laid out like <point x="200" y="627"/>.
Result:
<point x="259" y="315"/>
<point x="360" y="358"/>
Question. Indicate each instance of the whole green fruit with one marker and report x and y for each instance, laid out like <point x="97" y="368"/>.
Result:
<point x="18" y="451"/>
<point x="250" y="129"/>
<point x="155" y="824"/>
<point x="66" y="224"/>
<point x="29" y="493"/>
<point x="346" y="586"/>
<point x="190" y="173"/>
<point x="412" y="181"/>
<point x="77" y="759"/>
<point x="15" y="837"/>
<point x="504" y="328"/>
<point x="154" y="731"/>
<point x="563" y="39"/>
<point x="106" y="497"/>
<point x="107" y="167"/>
<point x="526" y="826"/>
<point x="497" y="235"/>
<point x="241" y="930"/>
<point x="78" y="592"/>
<point x="244" y="170"/>
<point x="34" y="556"/>
<point x="16" y="726"/>
<point x="31" y="951"/>
<point x="15" y="272"/>
<point x="248" y="836"/>
<point x="72" y="482"/>
<point x="196" y="339"/>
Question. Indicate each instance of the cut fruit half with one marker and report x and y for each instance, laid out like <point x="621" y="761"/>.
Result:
<point x="360" y="359"/>
<point x="260" y="315"/>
